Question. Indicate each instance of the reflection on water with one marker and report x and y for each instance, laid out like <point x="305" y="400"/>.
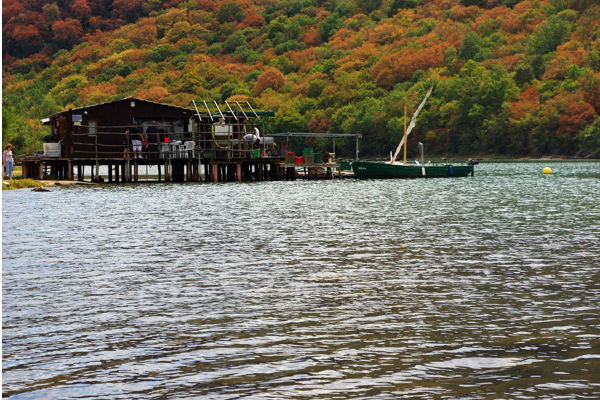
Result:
<point x="478" y="287"/>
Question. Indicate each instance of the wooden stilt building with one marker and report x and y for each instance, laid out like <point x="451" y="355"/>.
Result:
<point x="120" y="140"/>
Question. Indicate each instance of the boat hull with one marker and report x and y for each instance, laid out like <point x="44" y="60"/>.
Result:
<point x="382" y="170"/>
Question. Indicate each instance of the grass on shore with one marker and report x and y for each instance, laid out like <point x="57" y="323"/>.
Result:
<point x="20" y="183"/>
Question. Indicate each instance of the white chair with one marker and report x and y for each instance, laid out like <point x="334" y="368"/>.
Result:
<point x="163" y="148"/>
<point x="188" y="149"/>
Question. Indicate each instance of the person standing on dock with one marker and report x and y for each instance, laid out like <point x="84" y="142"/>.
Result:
<point x="256" y="137"/>
<point x="136" y="141"/>
<point x="8" y="161"/>
<point x="125" y="145"/>
<point x="153" y="138"/>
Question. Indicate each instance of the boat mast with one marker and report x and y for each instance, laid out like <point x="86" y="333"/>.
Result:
<point x="413" y="121"/>
<point x="404" y="139"/>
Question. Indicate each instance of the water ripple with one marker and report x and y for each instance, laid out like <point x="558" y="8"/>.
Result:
<point x="481" y="287"/>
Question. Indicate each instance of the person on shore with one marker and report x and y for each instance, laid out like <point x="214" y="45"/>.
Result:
<point x="8" y="161"/>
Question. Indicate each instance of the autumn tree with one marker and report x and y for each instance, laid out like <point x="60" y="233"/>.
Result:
<point x="230" y="12"/>
<point x="67" y="32"/>
<point x="271" y="78"/>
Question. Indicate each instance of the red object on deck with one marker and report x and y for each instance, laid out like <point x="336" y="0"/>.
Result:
<point x="290" y="154"/>
<point x="299" y="160"/>
<point x="166" y="139"/>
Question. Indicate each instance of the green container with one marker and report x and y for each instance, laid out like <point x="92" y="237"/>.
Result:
<point x="290" y="158"/>
<point x="318" y="157"/>
<point x="309" y="159"/>
<point x="308" y="152"/>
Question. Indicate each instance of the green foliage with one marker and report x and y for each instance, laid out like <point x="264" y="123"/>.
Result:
<point x="507" y="87"/>
<point x="229" y="12"/>
<point x="328" y="27"/>
<point x="548" y="36"/>
<point x="235" y="43"/>
<point x="588" y="140"/>
<point x="292" y="122"/>
<point x="162" y="51"/>
<point x="473" y="48"/>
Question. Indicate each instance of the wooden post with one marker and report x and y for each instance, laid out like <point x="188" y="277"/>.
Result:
<point x="215" y="173"/>
<point x="97" y="161"/>
<point x="110" y="177"/>
<point x="70" y="173"/>
<point x="195" y="172"/>
<point x="259" y="171"/>
<point x="117" y="167"/>
<point x="41" y="171"/>
<point x="158" y="167"/>
<point x="135" y="171"/>
<point x="238" y="172"/>
<point x="189" y="170"/>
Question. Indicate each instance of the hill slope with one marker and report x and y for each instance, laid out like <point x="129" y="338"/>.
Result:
<point x="516" y="78"/>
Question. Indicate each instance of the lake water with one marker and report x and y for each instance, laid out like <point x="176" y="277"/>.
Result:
<point x="475" y="287"/>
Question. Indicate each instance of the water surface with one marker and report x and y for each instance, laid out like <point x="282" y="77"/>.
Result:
<point x="476" y="287"/>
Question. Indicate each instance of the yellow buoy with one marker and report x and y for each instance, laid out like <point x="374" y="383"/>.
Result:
<point x="547" y="170"/>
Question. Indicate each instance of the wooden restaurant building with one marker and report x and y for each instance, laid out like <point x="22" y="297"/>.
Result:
<point x="207" y="142"/>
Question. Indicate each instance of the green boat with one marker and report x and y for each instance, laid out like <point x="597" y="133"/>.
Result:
<point x="392" y="169"/>
<point x="385" y="170"/>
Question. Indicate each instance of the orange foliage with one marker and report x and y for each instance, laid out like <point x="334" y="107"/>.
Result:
<point x="461" y="13"/>
<point x="576" y="117"/>
<point x="592" y="97"/>
<point x="557" y="68"/>
<point x="528" y="103"/>
<point x="156" y="93"/>
<point x="90" y="94"/>
<point x="358" y="59"/>
<point x="511" y="24"/>
<point x="252" y="20"/>
<point x="312" y="38"/>
<point x="133" y="55"/>
<point x="11" y="9"/>
<point x="126" y="9"/>
<point x="386" y="32"/>
<point x="318" y="125"/>
<point x="25" y="32"/>
<point x="68" y="30"/>
<point x="401" y="65"/>
<point x="303" y="60"/>
<point x="207" y="5"/>
<point x="511" y="61"/>
<point x="572" y="51"/>
<point x="272" y="78"/>
<point x="81" y="9"/>
<point x="342" y="39"/>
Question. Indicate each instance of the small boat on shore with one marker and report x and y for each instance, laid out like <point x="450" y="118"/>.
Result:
<point x="393" y="169"/>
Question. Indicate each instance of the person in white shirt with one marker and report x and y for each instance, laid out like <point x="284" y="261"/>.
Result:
<point x="256" y="137"/>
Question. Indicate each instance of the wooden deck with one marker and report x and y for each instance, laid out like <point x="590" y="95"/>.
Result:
<point x="191" y="169"/>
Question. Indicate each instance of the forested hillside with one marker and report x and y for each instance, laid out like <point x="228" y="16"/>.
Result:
<point x="518" y="78"/>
